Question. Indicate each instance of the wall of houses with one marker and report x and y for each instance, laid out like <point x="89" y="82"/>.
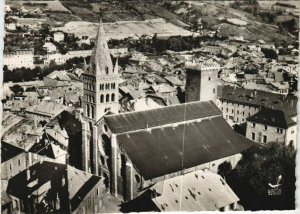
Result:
<point x="18" y="59"/>
<point x="261" y="133"/>
<point x="237" y="112"/>
<point x="17" y="164"/>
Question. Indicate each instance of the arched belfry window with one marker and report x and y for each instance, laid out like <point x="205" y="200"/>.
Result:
<point x="93" y="111"/>
<point x="113" y="97"/>
<point x="101" y="98"/>
<point x="87" y="110"/>
<point x="107" y="97"/>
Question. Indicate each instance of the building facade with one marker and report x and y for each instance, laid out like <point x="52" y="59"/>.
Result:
<point x="270" y="125"/>
<point x="237" y="104"/>
<point x="201" y="81"/>
<point x="18" y="59"/>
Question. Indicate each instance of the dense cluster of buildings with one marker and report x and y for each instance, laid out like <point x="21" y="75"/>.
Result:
<point x="146" y="130"/>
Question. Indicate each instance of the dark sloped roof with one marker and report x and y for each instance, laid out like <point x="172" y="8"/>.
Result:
<point x="131" y="121"/>
<point x="272" y="117"/>
<point x="262" y="98"/>
<point x="9" y="151"/>
<point x="159" y="152"/>
<point x="79" y="184"/>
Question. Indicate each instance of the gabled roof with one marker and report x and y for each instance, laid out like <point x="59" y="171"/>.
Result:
<point x="132" y="121"/>
<point x="272" y="117"/>
<point x="201" y="191"/>
<point x="160" y="151"/>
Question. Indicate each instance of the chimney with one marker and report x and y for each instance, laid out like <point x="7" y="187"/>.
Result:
<point x="27" y="174"/>
<point x="255" y="92"/>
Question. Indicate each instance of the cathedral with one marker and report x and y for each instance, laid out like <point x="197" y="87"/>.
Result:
<point x="132" y="151"/>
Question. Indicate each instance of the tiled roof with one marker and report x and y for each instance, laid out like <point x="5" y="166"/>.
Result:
<point x="272" y="117"/>
<point x="160" y="151"/>
<point x="260" y="99"/>
<point x="131" y="121"/>
<point x="196" y="191"/>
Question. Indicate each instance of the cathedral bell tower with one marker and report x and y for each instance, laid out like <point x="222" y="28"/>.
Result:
<point x="100" y="95"/>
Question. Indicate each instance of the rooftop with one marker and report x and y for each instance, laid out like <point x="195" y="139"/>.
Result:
<point x="202" y="190"/>
<point x="132" y="121"/>
<point x="272" y="117"/>
<point x="160" y="151"/>
<point x="259" y="98"/>
<point x="38" y="185"/>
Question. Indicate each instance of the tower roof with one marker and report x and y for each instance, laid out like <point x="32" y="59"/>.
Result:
<point x="100" y="62"/>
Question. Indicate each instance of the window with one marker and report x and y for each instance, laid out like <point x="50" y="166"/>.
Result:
<point x="106" y="70"/>
<point x="10" y="166"/>
<point x="237" y="112"/>
<point x="248" y="114"/>
<point x="107" y="97"/>
<point x="279" y="130"/>
<point x="264" y="139"/>
<point x="87" y="111"/>
<point x="113" y="97"/>
<point x="92" y="111"/>
<point x="19" y="160"/>
<point x="232" y="111"/>
<point x="101" y="87"/>
<point x="253" y="136"/>
<point x="208" y="78"/>
<point x="265" y="128"/>
<point x="253" y="125"/>
<point x="226" y="109"/>
<point x="101" y="98"/>
<point x="243" y="113"/>
<point x="292" y="131"/>
<point x="214" y="90"/>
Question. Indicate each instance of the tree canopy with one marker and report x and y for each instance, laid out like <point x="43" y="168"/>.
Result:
<point x="261" y="167"/>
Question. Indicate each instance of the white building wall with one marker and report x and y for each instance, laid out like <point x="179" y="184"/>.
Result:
<point x="271" y="132"/>
<point x="18" y="59"/>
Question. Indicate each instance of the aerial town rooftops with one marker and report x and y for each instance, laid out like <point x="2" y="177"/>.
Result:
<point x="160" y="151"/>
<point x="272" y="117"/>
<point x="202" y="190"/>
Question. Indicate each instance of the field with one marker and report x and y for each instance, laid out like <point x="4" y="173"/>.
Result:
<point x="124" y="29"/>
<point x="46" y="5"/>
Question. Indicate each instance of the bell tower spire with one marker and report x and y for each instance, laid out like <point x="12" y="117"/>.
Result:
<point x="101" y="80"/>
<point x="101" y="92"/>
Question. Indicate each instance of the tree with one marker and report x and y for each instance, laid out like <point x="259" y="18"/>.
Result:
<point x="260" y="167"/>
<point x="224" y="169"/>
<point x="17" y="89"/>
